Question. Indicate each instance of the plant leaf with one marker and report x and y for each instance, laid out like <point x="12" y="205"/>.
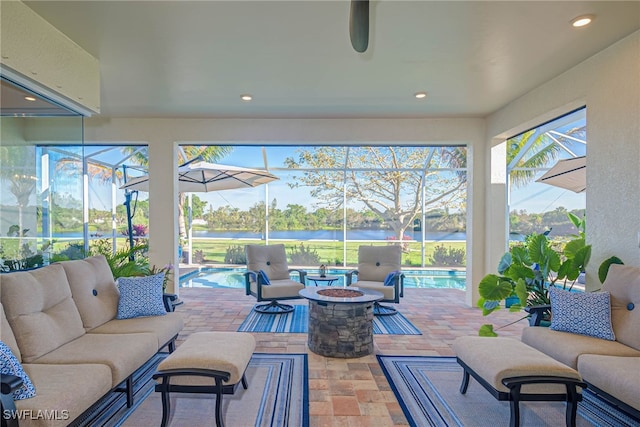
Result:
<point x="487" y="331"/>
<point x="505" y="263"/>
<point x="604" y="267"/>
<point x="494" y="288"/>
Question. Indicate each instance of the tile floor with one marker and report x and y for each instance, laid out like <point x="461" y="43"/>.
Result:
<point x="351" y="392"/>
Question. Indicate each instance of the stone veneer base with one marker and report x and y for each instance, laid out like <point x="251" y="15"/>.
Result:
<point x="340" y="329"/>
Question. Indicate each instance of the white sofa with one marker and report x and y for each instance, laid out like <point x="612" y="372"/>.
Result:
<point x="60" y="322"/>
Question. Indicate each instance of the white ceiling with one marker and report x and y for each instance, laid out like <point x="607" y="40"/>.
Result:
<point x="195" y="58"/>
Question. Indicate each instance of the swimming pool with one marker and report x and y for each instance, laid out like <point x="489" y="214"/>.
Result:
<point x="233" y="277"/>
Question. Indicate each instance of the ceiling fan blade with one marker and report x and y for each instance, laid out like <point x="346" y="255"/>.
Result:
<point x="359" y="25"/>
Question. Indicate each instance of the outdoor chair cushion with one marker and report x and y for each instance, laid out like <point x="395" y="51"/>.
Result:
<point x="122" y="353"/>
<point x="387" y="291"/>
<point x="40" y="310"/>
<point x="57" y="387"/>
<point x="376" y="262"/>
<point x="555" y="344"/>
<point x="271" y="259"/>
<point x="585" y="313"/>
<point x="93" y="289"/>
<point x="9" y="365"/>
<point x="623" y="283"/>
<point x="279" y="289"/>
<point x="162" y="327"/>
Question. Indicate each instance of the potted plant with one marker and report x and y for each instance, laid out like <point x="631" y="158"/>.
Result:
<point x="528" y="271"/>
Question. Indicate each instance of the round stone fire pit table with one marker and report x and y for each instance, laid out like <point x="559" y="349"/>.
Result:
<point x="340" y="320"/>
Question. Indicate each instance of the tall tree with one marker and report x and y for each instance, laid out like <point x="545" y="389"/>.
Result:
<point x="387" y="180"/>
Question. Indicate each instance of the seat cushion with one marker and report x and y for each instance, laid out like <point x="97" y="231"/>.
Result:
<point x="618" y="376"/>
<point x="388" y="291"/>
<point x="223" y="351"/>
<point x="93" y="289"/>
<point x="272" y="259"/>
<point x="40" y="310"/>
<point x="64" y="390"/>
<point x="163" y="327"/>
<point x="567" y="347"/>
<point x="376" y="262"/>
<point x="280" y="289"/>
<point x="623" y="283"/>
<point x="122" y="353"/>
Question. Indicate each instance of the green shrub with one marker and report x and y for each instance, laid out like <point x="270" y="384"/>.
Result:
<point x="304" y="256"/>
<point x="235" y="255"/>
<point x="443" y="256"/>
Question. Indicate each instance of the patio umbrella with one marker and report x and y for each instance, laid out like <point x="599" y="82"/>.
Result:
<point x="570" y="174"/>
<point x="198" y="176"/>
<point x="202" y="177"/>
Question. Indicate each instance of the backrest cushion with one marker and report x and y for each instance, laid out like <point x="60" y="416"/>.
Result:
<point x="376" y="262"/>
<point x="623" y="283"/>
<point x="40" y="310"/>
<point x="272" y="259"/>
<point x="93" y="290"/>
<point x="6" y="335"/>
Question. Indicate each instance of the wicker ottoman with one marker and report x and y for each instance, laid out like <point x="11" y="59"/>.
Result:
<point x="207" y="362"/>
<point x="512" y="371"/>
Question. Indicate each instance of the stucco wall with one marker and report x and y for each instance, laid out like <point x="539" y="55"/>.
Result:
<point x="609" y="85"/>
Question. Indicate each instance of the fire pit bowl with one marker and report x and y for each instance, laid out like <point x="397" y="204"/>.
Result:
<point x="340" y="293"/>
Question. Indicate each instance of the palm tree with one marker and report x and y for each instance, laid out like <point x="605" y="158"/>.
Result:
<point x="18" y="162"/>
<point x="530" y="151"/>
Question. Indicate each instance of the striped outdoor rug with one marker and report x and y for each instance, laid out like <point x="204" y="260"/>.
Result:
<point x="427" y="388"/>
<point x="297" y="322"/>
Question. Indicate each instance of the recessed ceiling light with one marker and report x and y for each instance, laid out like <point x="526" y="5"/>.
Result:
<point x="29" y="98"/>
<point x="421" y="95"/>
<point x="246" y="97"/>
<point x="582" y="21"/>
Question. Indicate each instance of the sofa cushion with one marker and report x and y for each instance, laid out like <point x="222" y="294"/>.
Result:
<point x="6" y="335"/>
<point x="140" y="296"/>
<point x="567" y="347"/>
<point x="122" y="353"/>
<point x="66" y="391"/>
<point x="582" y="313"/>
<point x="93" y="289"/>
<point x="271" y="259"/>
<point x="163" y="327"/>
<point x="40" y="310"/>
<point x="376" y="262"/>
<point x="618" y="376"/>
<point x="9" y="365"/>
<point x="623" y="283"/>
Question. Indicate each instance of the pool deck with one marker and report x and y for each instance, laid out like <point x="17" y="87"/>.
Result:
<point x="350" y="392"/>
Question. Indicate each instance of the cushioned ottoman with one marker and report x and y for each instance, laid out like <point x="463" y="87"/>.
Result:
<point x="207" y="362"/>
<point x="512" y="371"/>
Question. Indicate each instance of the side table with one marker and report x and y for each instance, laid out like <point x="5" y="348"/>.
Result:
<point x="323" y="280"/>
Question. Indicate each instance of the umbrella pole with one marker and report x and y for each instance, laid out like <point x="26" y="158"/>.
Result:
<point x="127" y="203"/>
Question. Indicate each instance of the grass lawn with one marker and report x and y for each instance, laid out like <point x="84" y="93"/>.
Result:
<point x="329" y="253"/>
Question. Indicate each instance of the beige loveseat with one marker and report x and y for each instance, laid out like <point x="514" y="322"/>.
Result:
<point x="611" y="368"/>
<point x="60" y="322"/>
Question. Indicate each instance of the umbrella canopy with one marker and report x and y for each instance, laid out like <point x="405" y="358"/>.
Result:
<point x="570" y="174"/>
<point x="202" y="177"/>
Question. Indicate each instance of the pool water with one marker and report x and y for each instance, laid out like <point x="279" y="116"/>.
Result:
<point x="230" y="277"/>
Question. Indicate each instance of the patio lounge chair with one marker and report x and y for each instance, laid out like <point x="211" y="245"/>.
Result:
<point x="268" y="278"/>
<point x="379" y="269"/>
